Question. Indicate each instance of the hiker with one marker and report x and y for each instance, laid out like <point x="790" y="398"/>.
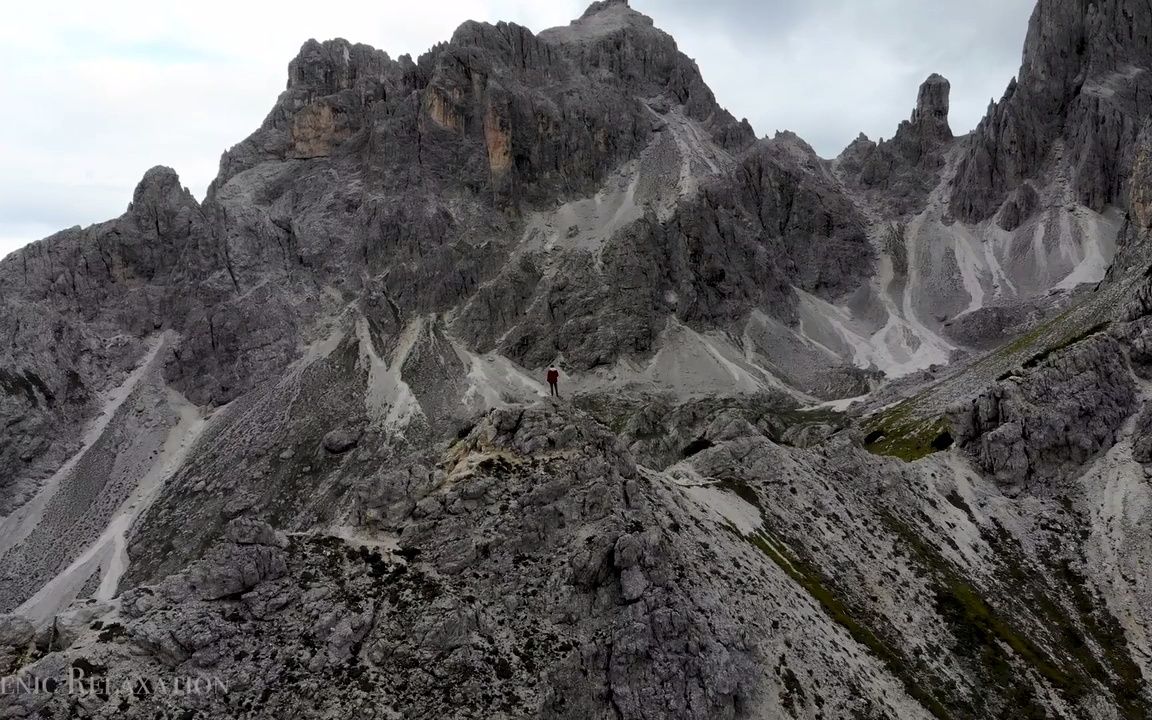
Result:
<point x="553" y="378"/>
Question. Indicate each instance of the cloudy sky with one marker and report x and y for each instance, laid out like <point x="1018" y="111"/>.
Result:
<point x="98" y="92"/>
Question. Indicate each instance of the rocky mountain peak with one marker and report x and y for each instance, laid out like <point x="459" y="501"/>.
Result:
<point x="931" y="113"/>
<point x="324" y="68"/>
<point x="297" y="433"/>
<point x="604" y="6"/>
<point x="1080" y="93"/>
<point x="787" y="144"/>
<point x="602" y="19"/>
<point x="160" y="182"/>
<point x="899" y="172"/>
<point x="484" y="90"/>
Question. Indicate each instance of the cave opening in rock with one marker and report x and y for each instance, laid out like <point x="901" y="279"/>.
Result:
<point x="697" y="445"/>
<point x="943" y="441"/>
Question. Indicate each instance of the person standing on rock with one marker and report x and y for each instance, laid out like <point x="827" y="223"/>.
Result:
<point x="553" y="379"/>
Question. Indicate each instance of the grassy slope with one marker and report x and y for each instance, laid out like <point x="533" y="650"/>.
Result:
<point x="915" y="427"/>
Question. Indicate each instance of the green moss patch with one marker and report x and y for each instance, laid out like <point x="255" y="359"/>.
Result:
<point x="855" y="623"/>
<point x="1049" y="628"/>
<point x="899" y="433"/>
<point x="1032" y="627"/>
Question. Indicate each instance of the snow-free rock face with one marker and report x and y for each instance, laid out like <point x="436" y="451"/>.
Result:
<point x="1040" y="427"/>
<point x="1080" y="94"/>
<point x="931" y="116"/>
<point x="1000" y="223"/>
<point x="906" y="168"/>
<point x="608" y="588"/>
<point x="293" y="441"/>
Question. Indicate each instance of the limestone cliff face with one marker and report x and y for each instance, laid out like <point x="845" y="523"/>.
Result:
<point x="1076" y="104"/>
<point x="1140" y="184"/>
<point x="775" y="221"/>
<point x="497" y="140"/>
<point x="930" y="118"/>
<point x="541" y="143"/>
<point x="75" y="307"/>
<point x="316" y="130"/>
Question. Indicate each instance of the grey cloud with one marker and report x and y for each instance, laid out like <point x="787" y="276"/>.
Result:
<point x="976" y="44"/>
<point x="992" y="26"/>
<point x="760" y="21"/>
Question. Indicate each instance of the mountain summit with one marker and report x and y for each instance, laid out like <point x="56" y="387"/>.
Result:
<point x="866" y="437"/>
<point x="931" y="114"/>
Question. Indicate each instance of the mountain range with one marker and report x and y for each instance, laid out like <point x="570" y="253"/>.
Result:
<point x="862" y="437"/>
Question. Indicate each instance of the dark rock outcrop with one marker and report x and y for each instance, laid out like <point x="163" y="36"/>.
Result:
<point x="776" y="220"/>
<point x="930" y="118"/>
<point x="1020" y="206"/>
<point x="1036" y="429"/>
<point x="340" y="441"/>
<point x="542" y="573"/>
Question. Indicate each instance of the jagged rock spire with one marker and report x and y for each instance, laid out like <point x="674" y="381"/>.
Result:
<point x="1079" y="98"/>
<point x="931" y="113"/>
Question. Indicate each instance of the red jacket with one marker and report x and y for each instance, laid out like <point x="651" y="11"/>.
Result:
<point x="553" y="376"/>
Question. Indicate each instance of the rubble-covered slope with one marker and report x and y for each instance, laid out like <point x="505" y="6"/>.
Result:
<point x="531" y="568"/>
